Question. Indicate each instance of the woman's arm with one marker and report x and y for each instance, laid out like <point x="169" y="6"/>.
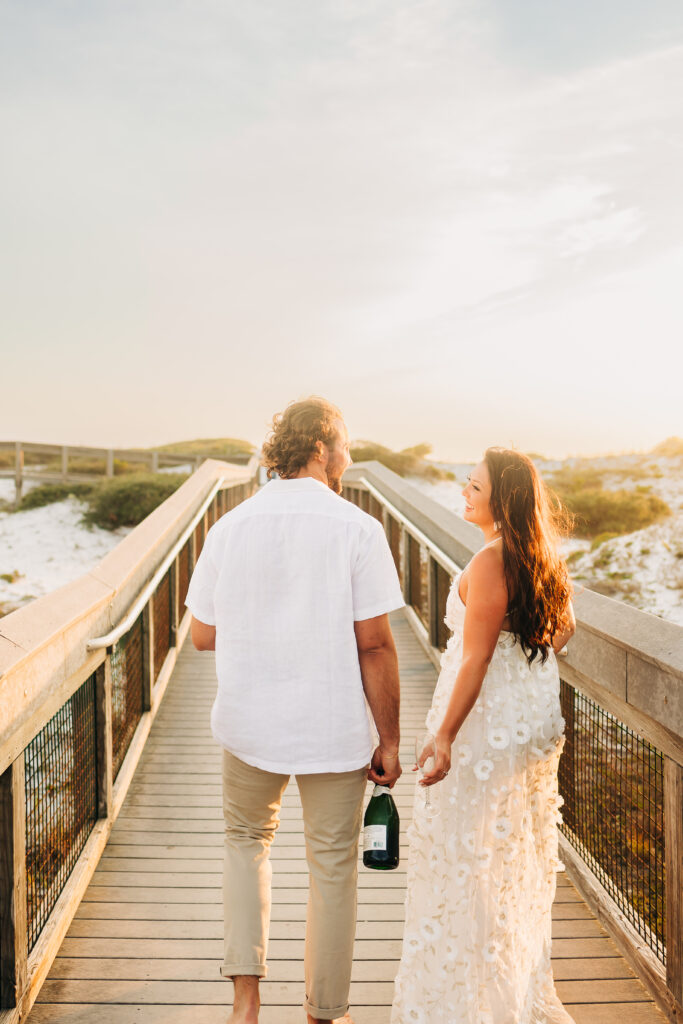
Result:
<point x="487" y="601"/>
<point x="568" y="629"/>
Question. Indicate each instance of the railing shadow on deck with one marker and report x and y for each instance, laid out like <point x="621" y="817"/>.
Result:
<point x="82" y="673"/>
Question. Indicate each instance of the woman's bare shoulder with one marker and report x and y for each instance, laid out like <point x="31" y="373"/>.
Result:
<point x="485" y="569"/>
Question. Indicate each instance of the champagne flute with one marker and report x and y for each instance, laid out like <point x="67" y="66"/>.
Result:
<point x="426" y="744"/>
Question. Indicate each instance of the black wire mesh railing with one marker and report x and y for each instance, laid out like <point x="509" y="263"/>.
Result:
<point x="612" y="782"/>
<point x="163" y="619"/>
<point x="126" y="692"/>
<point x="60" y="766"/>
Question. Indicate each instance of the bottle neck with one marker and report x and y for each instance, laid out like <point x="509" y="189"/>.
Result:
<point x="378" y="790"/>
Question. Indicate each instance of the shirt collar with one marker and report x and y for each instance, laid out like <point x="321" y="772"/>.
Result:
<point x="303" y="483"/>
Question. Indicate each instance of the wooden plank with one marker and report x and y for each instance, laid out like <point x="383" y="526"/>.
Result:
<point x="374" y="993"/>
<point x="86" y="1013"/>
<point x="132" y="968"/>
<point x="286" y="925"/>
<point x="212" y="949"/>
<point x="643" y="960"/>
<point x="616" y="1013"/>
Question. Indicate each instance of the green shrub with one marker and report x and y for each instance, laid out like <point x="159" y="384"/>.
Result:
<point x="671" y="447"/>
<point x="408" y="462"/>
<point x="128" y="500"/>
<point x="602" y="538"/>
<point x="603" y="558"/>
<point x="211" y="448"/>
<point x="601" y="511"/>
<point x="579" y="477"/>
<point x="574" y="557"/>
<point x="95" y="467"/>
<point x="11" y="577"/>
<point x="47" y="494"/>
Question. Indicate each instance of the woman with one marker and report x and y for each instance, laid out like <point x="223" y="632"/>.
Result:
<point x="481" y="877"/>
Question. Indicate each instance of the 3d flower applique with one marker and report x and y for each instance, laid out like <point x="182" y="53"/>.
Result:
<point x="450" y="954"/>
<point x="502" y="828"/>
<point x="491" y="951"/>
<point x="499" y="738"/>
<point x="461" y="873"/>
<point x="522" y="733"/>
<point x="483" y="769"/>
<point x="483" y="858"/>
<point x="464" y="754"/>
<point x="430" y="930"/>
<point x="467" y="841"/>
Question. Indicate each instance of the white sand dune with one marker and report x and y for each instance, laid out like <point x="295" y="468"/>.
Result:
<point x="43" y="548"/>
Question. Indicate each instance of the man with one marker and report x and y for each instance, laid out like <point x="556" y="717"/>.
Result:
<point x="293" y="590"/>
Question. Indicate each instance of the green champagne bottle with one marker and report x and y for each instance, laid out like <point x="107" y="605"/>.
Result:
<point x="380" y="831"/>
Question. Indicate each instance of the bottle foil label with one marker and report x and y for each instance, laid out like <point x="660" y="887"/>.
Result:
<point x="374" y="837"/>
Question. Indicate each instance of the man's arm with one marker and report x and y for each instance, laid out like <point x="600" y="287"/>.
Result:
<point x="203" y="635"/>
<point x="379" y="672"/>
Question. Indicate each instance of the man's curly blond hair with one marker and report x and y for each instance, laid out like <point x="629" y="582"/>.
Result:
<point x="295" y="434"/>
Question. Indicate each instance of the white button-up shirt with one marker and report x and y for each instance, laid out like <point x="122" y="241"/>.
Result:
<point x="283" y="577"/>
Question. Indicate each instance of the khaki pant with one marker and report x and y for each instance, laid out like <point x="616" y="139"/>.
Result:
<point x="332" y="808"/>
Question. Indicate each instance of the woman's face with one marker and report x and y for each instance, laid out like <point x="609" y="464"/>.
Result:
<point x="477" y="494"/>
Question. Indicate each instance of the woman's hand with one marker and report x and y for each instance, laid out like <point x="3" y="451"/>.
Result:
<point x="442" y="760"/>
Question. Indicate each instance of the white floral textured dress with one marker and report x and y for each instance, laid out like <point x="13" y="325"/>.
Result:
<point x="482" y="874"/>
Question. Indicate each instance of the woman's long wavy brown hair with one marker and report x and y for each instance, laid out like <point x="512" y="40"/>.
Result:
<point x="531" y="520"/>
<point x="295" y="435"/>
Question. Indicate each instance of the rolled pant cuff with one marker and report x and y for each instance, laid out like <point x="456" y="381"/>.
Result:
<point x="253" y="970"/>
<point x="317" y="1011"/>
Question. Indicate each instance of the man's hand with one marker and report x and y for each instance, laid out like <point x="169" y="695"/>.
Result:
<point x="385" y="769"/>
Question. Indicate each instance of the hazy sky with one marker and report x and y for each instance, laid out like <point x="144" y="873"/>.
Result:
<point x="461" y="220"/>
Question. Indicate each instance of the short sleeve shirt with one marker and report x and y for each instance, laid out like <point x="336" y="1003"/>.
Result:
<point x="283" y="577"/>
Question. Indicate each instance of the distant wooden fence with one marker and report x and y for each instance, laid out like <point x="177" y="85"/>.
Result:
<point x="82" y="673"/>
<point x="26" y="458"/>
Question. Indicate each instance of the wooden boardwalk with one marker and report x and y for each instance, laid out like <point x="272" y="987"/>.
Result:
<point x="146" y="943"/>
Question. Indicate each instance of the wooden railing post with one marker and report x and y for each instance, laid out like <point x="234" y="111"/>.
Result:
<point x="18" y="471"/>
<point x="147" y="655"/>
<point x="65" y="462"/>
<point x="103" y="737"/>
<point x="110" y="462"/>
<point x="13" y="931"/>
<point x="673" y="842"/>
<point x="433" y="616"/>
<point x="407" y="566"/>
<point x="174" y="580"/>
